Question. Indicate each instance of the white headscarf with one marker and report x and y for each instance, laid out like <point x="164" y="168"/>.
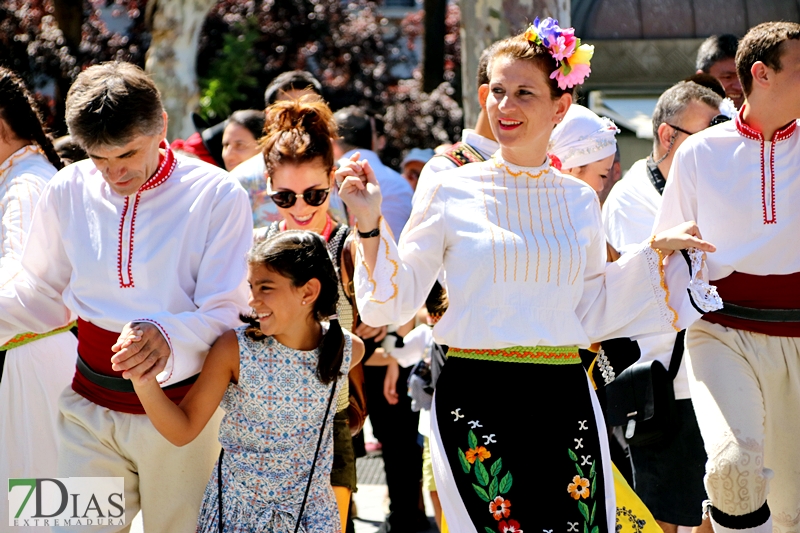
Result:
<point x="582" y="138"/>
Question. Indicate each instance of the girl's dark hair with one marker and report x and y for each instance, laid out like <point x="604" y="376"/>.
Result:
<point x="19" y="110"/>
<point x="298" y="131"/>
<point x="301" y="256"/>
<point x="518" y="47"/>
<point x="252" y="119"/>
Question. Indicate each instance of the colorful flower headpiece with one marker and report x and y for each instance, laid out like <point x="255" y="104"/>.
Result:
<point x="572" y="57"/>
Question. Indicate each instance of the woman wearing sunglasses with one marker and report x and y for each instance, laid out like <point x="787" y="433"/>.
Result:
<point x="298" y="153"/>
<point x="517" y="439"/>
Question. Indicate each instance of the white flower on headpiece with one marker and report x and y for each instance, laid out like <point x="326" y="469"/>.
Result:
<point x="727" y="108"/>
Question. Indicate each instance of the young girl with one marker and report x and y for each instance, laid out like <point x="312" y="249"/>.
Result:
<point x="275" y="378"/>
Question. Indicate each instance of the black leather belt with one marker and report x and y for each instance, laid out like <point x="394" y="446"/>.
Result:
<point x="760" y="315"/>
<point x="120" y="384"/>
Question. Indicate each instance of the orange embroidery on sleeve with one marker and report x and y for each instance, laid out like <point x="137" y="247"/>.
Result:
<point x="663" y="279"/>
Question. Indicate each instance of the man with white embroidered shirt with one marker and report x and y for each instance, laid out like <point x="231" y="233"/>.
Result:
<point x="668" y="476"/>
<point x="134" y="235"/>
<point x="739" y="181"/>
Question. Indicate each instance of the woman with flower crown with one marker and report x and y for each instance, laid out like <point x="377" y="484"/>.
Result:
<point x="517" y="440"/>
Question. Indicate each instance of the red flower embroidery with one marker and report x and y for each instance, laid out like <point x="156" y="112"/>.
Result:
<point x="555" y="162"/>
<point x="512" y="526"/>
<point x="500" y="508"/>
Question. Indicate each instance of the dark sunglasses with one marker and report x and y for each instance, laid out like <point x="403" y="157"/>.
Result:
<point x="313" y="197"/>
<point x="719" y="119"/>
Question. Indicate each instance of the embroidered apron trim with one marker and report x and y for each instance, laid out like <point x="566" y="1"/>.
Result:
<point x="543" y="355"/>
<point x="24" y="338"/>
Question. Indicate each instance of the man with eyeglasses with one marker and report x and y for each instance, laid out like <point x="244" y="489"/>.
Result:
<point x="668" y="476"/>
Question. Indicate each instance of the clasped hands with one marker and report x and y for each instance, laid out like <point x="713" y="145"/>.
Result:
<point x="141" y="352"/>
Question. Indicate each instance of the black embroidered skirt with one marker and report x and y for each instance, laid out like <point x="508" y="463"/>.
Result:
<point x="517" y="443"/>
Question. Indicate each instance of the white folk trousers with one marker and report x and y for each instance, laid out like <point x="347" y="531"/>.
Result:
<point x="164" y="481"/>
<point x="746" y="392"/>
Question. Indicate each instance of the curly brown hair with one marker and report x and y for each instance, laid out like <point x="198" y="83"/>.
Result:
<point x="298" y="131"/>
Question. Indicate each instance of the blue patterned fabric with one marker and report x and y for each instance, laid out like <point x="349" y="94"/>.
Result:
<point x="269" y="434"/>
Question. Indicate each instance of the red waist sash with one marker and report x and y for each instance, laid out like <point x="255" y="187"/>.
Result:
<point x="94" y="347"/>
<point x="759" y="292"/>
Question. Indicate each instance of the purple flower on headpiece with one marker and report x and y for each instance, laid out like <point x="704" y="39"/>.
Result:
<point x="548" y="30"/>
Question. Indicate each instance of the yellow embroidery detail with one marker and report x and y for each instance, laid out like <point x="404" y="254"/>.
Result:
<point x="433" y="195"/>
<point x="491" y="231"/>
<point x="508" y="221"/>
<point x="396" y="268"/>
<point x="577" y="242"/>
<point x="663" y="278"/>
<point x="555" y="237"/>
<point x="544" y="235"/>
<point x="533" y="232"/>
<point x="522" y="232"/>
<point x="502" y="236"/>
<point x="548" y="355"/>
<point x="25" y="338"/>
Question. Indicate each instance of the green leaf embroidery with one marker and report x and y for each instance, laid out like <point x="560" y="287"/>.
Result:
<point x="505" y="483"/>
<point x="584" y="509"/>
<point x="591" y="516"/>
<point x="481" y="493"/>
<point x="480" y="473"/>
<point x="464" y="463"/>
<point x="592" y="471"/>
<point x="595" y="529"/>
<point x="489" y="530"/>
<point x="594" y="484"/>
<point x="578" y="468"/>
<point x="493" y="490"/>
<point x="572" y="455"/>
<point x="496" y="467"/>
<point x="473" y="440"/>
<point x="585" y="528"/>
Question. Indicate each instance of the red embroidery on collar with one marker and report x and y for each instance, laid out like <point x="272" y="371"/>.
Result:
<point x="165" y="168"/>
<point x="768" y="207"/>
<point x="753" y="134"/>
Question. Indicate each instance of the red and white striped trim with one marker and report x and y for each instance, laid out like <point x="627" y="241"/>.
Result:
<point x="125" y="257"/>
<point x="767" y="180"/>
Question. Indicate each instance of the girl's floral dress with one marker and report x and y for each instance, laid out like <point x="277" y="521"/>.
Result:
<point x="269" y="434"/>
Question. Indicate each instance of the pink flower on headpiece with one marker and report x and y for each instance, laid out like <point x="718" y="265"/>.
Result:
<point x="564" y="45"/>
<point x="574" y="69"/>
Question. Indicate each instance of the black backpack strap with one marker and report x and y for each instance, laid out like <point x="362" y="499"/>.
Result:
<point x="677" y="355"/>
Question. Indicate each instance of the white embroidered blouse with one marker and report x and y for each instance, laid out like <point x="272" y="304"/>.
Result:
<point x="525" y="259"/>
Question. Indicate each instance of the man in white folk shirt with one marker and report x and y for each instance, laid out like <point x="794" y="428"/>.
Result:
<point x="668" y="476"/>
<point x="741" y="182"/>
<point x="134" y="235"/>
